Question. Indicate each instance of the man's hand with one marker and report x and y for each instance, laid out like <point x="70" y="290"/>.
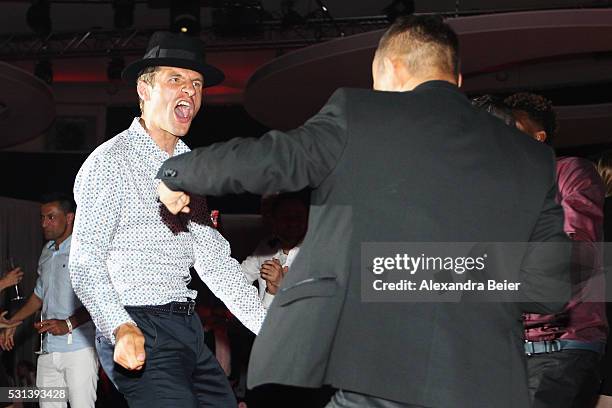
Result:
<point x="11" y="278"/>
<point x="175" y="201"/>
<point x="129" y="347"/>
<point x="7" y="339"/>
<point x="54" y="326"/>
<point x="273" y="273"/>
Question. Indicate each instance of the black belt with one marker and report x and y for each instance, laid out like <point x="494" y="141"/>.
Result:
<point x="186" y="308"/>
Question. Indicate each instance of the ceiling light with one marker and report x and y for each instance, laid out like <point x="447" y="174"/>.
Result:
<point x="185" y="17"/>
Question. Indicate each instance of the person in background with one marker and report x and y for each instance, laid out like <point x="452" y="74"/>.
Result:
<point x="564" y="349"/>
<point x="69" y="358"/>
<point x="11" y="278"/>
<point x="288" y="220"/>
<point x="604" y="168"/>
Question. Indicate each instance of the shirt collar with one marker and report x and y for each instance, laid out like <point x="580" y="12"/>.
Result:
<point x="63" y="247"/>
<point x="146" y="144"/>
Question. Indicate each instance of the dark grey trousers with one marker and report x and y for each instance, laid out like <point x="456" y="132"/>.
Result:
<point x="180" y="371"/>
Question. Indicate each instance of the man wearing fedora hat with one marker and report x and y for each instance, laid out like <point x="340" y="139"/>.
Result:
<point x="131" y="257"/>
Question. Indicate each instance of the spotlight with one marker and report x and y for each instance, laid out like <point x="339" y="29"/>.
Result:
<point x="44" y="70"/>
<point x="38" y="17"/>
<point x="115" y="67"/>
<point x="185" y="17"/>
<point x="238" y="18"/>
<point x="123" y="13"/>
<point x="399" y="8"/>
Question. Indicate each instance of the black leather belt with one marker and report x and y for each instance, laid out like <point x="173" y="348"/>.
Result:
<point x="186" y="308"/>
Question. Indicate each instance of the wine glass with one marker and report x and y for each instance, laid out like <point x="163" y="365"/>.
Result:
<point x="41" y="350"/>
<point x="11" y="265"/>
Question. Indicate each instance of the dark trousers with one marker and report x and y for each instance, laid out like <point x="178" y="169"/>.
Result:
<point x="564" y="379"/>
<point x="180" y="371"/>
<point x="283" y="396"/>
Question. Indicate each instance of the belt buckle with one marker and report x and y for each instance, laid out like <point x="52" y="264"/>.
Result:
<point x="191" y="307"/>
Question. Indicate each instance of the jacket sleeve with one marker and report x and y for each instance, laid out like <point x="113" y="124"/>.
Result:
<point x="545" y="270"/>
<point x="276" y="162"/>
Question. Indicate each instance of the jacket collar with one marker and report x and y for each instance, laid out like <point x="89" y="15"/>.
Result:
<point x="440" y="84"/>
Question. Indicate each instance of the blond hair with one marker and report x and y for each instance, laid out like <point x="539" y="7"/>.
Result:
<point x="425" y="43"/>
<point x="604" y="168"/>
<point x="147" y="76"/>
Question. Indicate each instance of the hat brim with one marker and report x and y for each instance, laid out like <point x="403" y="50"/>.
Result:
<point x="212" y="75"/>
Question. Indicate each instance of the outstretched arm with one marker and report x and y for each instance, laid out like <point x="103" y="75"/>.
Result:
<point x="278" y="161"/>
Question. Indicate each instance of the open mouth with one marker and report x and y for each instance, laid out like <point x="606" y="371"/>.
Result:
<point x="184" y="111"/>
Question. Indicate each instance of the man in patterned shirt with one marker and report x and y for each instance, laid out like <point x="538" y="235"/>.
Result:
<point x="131" y="258"/>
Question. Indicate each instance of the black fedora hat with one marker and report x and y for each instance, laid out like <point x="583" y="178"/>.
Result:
<point x="174" y="50"/>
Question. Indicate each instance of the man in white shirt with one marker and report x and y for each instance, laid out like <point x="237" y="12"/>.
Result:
<point x="271" y="260"/>
<point x="131" y="258"/>
<point x="68" y="356"/>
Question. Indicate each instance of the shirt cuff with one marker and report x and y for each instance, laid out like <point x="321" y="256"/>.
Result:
<point x="267" y="299"/>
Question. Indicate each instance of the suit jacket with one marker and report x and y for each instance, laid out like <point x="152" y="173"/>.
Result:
<point x="418" y="166"/>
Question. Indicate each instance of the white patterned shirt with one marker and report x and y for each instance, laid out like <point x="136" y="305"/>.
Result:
<point x="267" y="249"/>
<point x="127" y="249"/>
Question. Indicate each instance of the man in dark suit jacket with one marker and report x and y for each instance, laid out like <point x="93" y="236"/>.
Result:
<point x="417" y="164"/>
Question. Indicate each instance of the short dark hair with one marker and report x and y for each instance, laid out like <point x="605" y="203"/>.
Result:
<point x="496" y="107"/>
<point x="538" y="108"/>
<point x="66" y="202"/>
<point x="425" y="41"/>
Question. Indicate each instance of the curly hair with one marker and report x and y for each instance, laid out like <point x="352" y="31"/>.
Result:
<point x="496" y="107"/>
<point x="538" y="108"/>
